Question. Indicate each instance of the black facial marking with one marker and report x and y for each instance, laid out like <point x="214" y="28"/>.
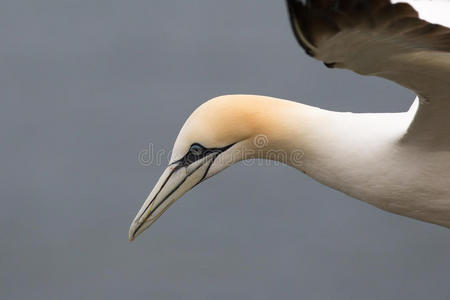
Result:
<point x="197" y="151"/>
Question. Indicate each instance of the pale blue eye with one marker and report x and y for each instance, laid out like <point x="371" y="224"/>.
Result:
<point x="196" y="149"/>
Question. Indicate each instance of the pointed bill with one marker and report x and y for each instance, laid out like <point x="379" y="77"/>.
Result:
<point x="176" y="180"/>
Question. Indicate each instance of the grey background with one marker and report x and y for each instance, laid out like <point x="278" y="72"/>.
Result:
<point x="86" y="85"/>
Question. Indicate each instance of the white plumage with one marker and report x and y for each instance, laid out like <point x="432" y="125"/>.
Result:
<point x="399" y="162"/>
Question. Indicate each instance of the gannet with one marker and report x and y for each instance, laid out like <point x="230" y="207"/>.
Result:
<point x="398" y="162"/>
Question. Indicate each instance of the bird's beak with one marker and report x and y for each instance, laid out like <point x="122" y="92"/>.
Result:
<point x="176" y="180"/>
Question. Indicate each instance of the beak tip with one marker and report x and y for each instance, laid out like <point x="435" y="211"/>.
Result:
<point x="132" y="232"/>
<point x="130" y="237"/>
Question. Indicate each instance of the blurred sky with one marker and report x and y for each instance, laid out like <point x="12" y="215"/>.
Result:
<point x="86" y="85"/>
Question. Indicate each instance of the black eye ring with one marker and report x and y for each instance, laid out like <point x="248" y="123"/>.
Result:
<point x="196" y="149"/>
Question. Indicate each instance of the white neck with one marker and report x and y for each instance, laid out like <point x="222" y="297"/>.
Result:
<point x="349" y="152"/>
<point x="362" y="155"/>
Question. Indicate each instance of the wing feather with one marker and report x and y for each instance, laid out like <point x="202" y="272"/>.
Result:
<point x="389" y="40"/>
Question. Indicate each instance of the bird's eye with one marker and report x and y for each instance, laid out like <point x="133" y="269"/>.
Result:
<point x="196" y="150"/>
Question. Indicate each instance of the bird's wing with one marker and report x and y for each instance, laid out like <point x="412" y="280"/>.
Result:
<point x="407" y="41"/>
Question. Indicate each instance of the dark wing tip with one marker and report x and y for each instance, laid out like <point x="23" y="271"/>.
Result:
<point x="316" y="22"/>
<point x="313" y="20"/>
<point x="297" y="10"/>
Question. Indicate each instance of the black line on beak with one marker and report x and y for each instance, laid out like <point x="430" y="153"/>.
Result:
<point x="181" y="163"/>
<point x="162" y="186"/>
<point x="207" y="169"/>
<point x="166" y="197"/>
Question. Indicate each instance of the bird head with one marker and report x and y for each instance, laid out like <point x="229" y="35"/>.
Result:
<point x="220" y="132"/>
